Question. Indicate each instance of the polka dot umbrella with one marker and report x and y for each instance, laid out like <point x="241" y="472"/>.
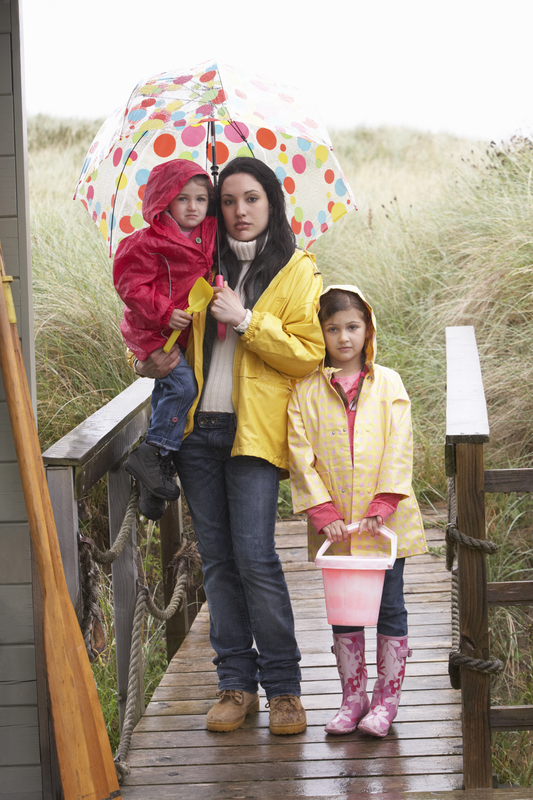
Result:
<point x="168" y="117"/>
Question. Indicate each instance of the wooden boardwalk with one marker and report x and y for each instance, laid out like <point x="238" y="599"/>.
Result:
<point x="173" y="756"/>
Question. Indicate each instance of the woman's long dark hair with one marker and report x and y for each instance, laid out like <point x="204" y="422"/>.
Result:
<point x="280" y="241"/>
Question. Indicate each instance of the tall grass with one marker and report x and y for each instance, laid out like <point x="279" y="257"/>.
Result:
<point x="442" y="237"/>
<point x="79" y="349"/>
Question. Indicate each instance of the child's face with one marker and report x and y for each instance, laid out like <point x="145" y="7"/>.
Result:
<point x="189" y="207"/>
<point x="344" y="335"/>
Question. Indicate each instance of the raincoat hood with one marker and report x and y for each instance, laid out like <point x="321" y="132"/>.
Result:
<point x="165" y="182"/>
<point x="370" y="343"/>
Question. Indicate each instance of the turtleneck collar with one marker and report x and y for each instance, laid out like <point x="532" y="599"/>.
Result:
<point x="245" y="251"/>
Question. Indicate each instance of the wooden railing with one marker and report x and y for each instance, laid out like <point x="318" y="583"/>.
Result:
<point x="96" y="448"/>
<point x="467" y="430"/>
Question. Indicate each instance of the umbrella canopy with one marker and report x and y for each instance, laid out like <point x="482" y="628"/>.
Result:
<point x="167" y="117"/>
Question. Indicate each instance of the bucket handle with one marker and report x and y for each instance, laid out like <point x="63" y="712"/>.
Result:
<point x="384" y="532"/>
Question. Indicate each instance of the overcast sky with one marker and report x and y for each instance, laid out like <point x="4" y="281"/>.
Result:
<point x="458" y="67"/>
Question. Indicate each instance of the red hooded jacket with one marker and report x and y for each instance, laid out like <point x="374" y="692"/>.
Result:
<point x="155" y="268"/>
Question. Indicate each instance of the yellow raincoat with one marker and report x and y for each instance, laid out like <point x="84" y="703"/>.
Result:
<point x="320" y="461"/>
<point x="283" y="343"/>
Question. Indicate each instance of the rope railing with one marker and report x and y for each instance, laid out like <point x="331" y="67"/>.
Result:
<point x="186" y="563"/>
<point x="454" y="537"/>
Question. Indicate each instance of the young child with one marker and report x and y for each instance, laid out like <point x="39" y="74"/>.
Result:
<point x="350" y="444"/>
<point x="153" y="271"/>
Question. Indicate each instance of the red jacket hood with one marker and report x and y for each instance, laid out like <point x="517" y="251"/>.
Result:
<point x="165" y="182"/>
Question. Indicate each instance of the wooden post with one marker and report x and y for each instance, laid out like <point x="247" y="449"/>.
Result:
<point x="467" y="428"/>
<point x="60" y="481"/>
<point x="473" y="617"/>
<point x="124" y="571"/>
<point x="171" y="529"/>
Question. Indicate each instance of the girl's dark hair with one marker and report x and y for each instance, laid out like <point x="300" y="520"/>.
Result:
<point x="204" y="181"/>
<point x="280" y="241"/>
<point x="340" y="300"/>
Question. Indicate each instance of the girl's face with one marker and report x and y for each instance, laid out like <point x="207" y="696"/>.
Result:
<point x="344" y="335"/>
<point x="189" y="207"/>
<point x="245" y="207"/>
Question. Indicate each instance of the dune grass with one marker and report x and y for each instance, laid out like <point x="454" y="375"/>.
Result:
<point x="442" y="237"/>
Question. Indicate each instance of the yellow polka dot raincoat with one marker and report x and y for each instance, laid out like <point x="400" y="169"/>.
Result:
<point x="321" y="464"/>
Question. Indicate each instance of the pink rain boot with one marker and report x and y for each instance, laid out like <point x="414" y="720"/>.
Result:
<point x="391" y="655"/>
<point x="349" y="649"/>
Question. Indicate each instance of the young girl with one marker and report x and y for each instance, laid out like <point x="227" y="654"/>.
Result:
<point x="153" y="271"/>
<point x="350" y="444"/>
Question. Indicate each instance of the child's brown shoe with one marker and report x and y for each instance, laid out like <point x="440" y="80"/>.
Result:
<point x="231" y="710"/>
<point x="287" y="715"/>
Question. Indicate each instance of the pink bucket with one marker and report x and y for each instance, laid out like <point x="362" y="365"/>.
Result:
<point x="353" y="585"/>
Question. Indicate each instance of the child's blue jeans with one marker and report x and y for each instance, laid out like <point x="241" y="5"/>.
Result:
<point x="172" y="398"/>
<point x="392" y="620"/>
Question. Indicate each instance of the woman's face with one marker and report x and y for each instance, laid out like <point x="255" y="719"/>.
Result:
<point x="245" y="207"/>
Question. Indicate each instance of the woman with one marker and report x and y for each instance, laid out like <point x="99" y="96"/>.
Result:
<point x="236" y="442"/>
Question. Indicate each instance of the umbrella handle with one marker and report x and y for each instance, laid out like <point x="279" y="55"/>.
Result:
<point x="221" y="326"/>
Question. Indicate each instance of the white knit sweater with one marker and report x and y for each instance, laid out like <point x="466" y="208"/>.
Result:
<point x="218" y="388"/>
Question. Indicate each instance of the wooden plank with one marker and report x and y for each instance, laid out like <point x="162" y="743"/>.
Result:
<point x="511" y="718"/>
<point x="15" y="540"/>
<point x="60" y="480"/>
<point x="466" y="409"/>
<point x="246" y="738"/>
<point x="98" y="430"/>
<point x="301" y="769"/>
<point x="510" y="593"/>
<point x="509" y="480"/>
<point x="7" y="447"/>
<point x="12" y="508"/>
<point x="8" y="182"/>
<point x="10" y="245"/>
<point x="5" y="18"/>
<point x="318" y="790"/>
<point x="16" y="619"/>
<point x="165" y="717"/>
<point x="19" y="736"/>
<point x="340" y="786"/>
<point x="7" y="133"/>
<point x="6" y="79"/>
<point x="473" y="616"/>
<point x="339" y="750"/>
<point x="17" y="668"/>
<point x="21" y="782"/>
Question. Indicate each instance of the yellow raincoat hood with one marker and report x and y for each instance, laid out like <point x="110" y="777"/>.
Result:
<point x="371" y="344"/>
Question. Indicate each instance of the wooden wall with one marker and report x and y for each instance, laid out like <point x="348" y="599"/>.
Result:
<point x="20" y="760"/>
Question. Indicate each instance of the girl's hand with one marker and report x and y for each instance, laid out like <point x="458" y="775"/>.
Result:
<point x="179" y="320"/>
<point x="226" y="306"/>
<point x="371" y="524"/>
<point x="159" y="364"/>
<point x="336" y="531"/>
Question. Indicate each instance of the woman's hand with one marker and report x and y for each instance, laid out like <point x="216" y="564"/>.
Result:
<point x="371" y="524"/>
<point x="336" y="531"/>
<point x="159" y="364"/>
<point x="226" y="306"/>
<point x="179" y="320"/>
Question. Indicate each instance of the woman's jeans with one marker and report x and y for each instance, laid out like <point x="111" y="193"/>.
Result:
<point x="392" y="620"/>
<point x="233" y="504"/>
<point x="172" y="398"/>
